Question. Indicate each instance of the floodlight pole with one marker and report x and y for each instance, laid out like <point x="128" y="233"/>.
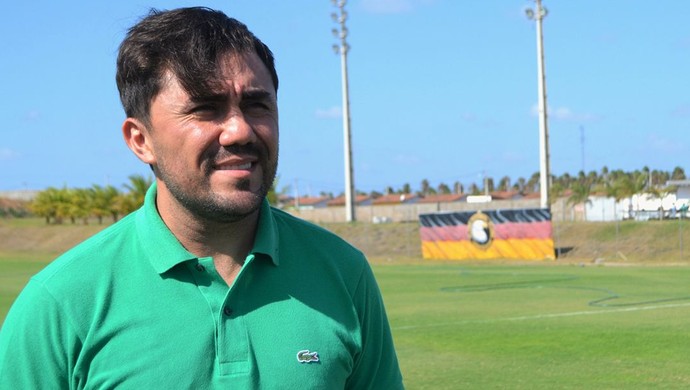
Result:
<point x="544" y="172"/>
<point x="343" y="48"/>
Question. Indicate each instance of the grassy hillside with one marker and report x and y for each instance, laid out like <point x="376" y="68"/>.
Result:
<point x="654" y="242"/>
<point x="622" y="242"/>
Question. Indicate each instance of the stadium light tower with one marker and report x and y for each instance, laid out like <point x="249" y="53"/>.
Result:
<point x="538" y="14"/>
<point x="342" y="47"/>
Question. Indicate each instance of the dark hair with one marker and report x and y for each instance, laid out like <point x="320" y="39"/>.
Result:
<point x="187" y="42"/>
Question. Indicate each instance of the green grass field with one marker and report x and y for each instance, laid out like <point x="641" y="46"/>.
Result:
<point x="539" y="327"/>
<point x="555" y="325"/>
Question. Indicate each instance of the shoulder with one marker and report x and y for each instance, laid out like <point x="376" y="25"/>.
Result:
<point x="317" y="250"/>
<point x="296" y="232"/>
<point x="91" y="257"/>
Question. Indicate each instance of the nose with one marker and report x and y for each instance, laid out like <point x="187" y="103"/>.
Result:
<point x="236" y="131"/>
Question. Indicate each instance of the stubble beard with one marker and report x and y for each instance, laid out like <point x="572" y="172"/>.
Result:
<point x="203" y="203"/>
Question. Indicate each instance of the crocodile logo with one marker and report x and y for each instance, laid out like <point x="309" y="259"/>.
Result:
<point x="306" y="356"/>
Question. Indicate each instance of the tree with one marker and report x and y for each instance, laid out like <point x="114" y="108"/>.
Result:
<point x="555" y="192"/>
<point x="520" y="185"/>
<point x="45" y="204"/>
<point x="79" y="207"/>
<point x="443" y="189"/>
<point x="504" y="184"/>
<point x="425" y="188"/>
<point x="132" y="200"/>
<point x="532" y="184"/>
<point x="580" y="195"/>
<point x="104" y="202"/>
<point x="604" y="174"/>
<point x="678" y="174"/>
<point x="272" y="195"/>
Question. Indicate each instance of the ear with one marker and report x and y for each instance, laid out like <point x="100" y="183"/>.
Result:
<point x="137" y="138"/>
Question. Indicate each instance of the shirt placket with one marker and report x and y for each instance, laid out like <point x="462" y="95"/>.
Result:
<point x="231" y="338"/>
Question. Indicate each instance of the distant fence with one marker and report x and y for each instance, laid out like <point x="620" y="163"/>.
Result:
<point x="410" y="212"/>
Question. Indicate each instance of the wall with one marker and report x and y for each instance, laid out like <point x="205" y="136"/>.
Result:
<point x="410" y="212"/>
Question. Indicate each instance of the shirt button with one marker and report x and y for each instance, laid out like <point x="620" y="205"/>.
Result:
<point x="200" y="267"/>
<point x="227" y="311"/>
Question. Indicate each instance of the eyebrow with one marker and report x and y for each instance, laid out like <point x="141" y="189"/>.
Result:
<point x="210" y="98"/>
<point x="252" y="94"/>
<point x="257" y="94"/>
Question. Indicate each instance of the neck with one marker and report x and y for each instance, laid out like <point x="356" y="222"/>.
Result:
<point x="227" y="242"/>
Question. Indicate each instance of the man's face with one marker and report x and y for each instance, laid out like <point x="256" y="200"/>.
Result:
<point x="217" y="155"/>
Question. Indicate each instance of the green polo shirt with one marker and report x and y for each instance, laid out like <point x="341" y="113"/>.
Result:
<point x="131" y="308"/>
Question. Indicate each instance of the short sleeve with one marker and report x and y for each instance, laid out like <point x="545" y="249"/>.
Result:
<point x="37" y="343"/>
<point x="376" y="367"/>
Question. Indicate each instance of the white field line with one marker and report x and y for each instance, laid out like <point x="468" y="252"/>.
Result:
<point x="544" y="316"/>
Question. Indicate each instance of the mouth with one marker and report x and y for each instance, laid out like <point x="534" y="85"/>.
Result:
<point x="234" y="167"/>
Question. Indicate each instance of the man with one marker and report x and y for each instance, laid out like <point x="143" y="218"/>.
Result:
<point x="205" y="286"/>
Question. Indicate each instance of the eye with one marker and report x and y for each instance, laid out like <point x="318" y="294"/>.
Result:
<point x="206" y="111"/>
<point x="204" y="108"/>
<point x="256" y="108"/>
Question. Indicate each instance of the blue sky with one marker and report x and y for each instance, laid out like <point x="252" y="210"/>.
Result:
<point x="443" y="90"/>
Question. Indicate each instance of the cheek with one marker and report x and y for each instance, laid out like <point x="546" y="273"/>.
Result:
<point x="269" y="137"/>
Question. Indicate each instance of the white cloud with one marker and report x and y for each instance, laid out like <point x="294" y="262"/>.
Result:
<point x="681" y="111"/>
<point x="8" y="154"/>
<point x="329" y="113"/>
<point x="468" y="117"/>
<point x="664" y="145"/>
<point x="407" y="159"/>
<point x="32" y="116"/>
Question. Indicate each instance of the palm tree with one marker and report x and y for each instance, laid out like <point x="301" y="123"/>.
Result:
<point x="104" y="202"/>
<point x="272" y="195"/>
<point x="138" y="185"/>
<point x="533" y="183"/>
<point x="425" y="187"/>
<point x="79" y="204"/>
<point x="678" y="174"/>
<point x="45" y="205"/>
<point x="555" y="192"/>
<point x="443" y="188"/>
<point x="580" y="195"/>
<point x="504" y="184"/>
<point x="521" y="184"/>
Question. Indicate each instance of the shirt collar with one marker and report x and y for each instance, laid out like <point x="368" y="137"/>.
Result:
<point x="266" y="240"/>
<point x="164" y="251"/>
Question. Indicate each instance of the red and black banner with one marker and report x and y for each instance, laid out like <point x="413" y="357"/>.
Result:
<point x="488" y="234"/>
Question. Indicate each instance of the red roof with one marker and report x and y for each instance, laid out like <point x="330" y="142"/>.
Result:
<point x="340" y="201"/>
<point x="395" y="199"/>
<point x="500" y="195"/>
<point x="310" y="201"/>
<point x="442" y="198"/>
